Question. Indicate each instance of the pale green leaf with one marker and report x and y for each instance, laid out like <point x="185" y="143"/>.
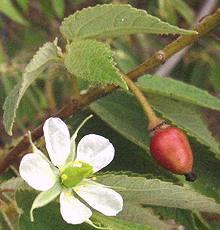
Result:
<point x="178" y="90"/>
<point x="45" y="56"/>
<point x="107" y="20"/>
<point x="155" y="192"/>
<point x="7" y="8"/>
<point x="92" y="60"/>
<point x="59" y="7"/>
<point x="45" y="197"/>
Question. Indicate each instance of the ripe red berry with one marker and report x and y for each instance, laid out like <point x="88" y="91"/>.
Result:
<point x="170" y="148"/>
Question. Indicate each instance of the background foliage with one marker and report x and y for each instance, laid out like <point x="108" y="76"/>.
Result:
<point x="187" y="97"/>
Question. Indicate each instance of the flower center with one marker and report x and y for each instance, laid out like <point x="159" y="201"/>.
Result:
<point x="74" y="173"/>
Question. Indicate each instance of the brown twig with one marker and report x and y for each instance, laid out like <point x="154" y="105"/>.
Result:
<point x="205" y="26"/>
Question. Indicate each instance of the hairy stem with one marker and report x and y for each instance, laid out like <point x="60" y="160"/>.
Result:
<point x="75" y="88"/>
<point x="49" y="90"/>
<point x="204" y="27"/>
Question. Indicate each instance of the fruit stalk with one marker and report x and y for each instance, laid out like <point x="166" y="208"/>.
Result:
<point x="169" y="146"/>
<point x="153" y="119"/>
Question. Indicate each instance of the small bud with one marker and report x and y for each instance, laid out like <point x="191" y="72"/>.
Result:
<point x="170" y="148"/>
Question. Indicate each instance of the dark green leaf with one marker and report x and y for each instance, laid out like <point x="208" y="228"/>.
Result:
<point x="47" y="217"/>
<point x="178" y="90"/>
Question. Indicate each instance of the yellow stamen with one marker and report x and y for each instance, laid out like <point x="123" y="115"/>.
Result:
<point x="77" y="164"/>
<point x="69" y="193"/>
<point x="64" y="177"/>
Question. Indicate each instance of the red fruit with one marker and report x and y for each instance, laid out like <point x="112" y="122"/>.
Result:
<point x="170" y="148"/>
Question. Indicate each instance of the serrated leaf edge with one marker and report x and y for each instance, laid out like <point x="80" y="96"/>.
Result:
<point x="181" y="31"/>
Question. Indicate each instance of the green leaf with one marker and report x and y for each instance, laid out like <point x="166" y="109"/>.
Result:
<point x="188" y="117"/>
<point x="184" y="10"/>
<point x="181" y="216"/>
<point x="92" y="60"/>
<point x="45" y="56"/>
<point x="23" y="4"/>
<point x="215" y="77"/>
<point x="155" y="192"/>
<point x="122" y="112"/>
<point x="207" y="168"/>
<point x="201" y="222"/>
<point x="134" y="158"/>
<point x="109" y="20"/>
<point x="167" y="11"/>
<point x="114" y="223"/>
<point x="178" y="90"/>
<point x="47" y="217"/>
<point x="59" y="7"/>
<point x="45" y="197"/>
<point x="139" y="214"/>
<point x="7" y="8"/>
<point x="46" y="9"/>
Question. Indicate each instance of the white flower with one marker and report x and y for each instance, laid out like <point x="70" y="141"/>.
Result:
<point x="70" y="173"/>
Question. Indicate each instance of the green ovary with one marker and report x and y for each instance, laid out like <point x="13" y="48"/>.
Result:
<point x="72" y="175"/>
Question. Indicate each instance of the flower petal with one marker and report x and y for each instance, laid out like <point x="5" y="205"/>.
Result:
<point x="101" y="198"/>
<point x="96" y="151"/>
<point x="37" y="172"/>
<point x="73" y="138"/>
<point x="57" y="139"/>
<point x="72" y="210"/>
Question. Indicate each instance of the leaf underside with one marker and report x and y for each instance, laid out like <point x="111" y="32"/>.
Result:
<point x="46" y="55"/>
